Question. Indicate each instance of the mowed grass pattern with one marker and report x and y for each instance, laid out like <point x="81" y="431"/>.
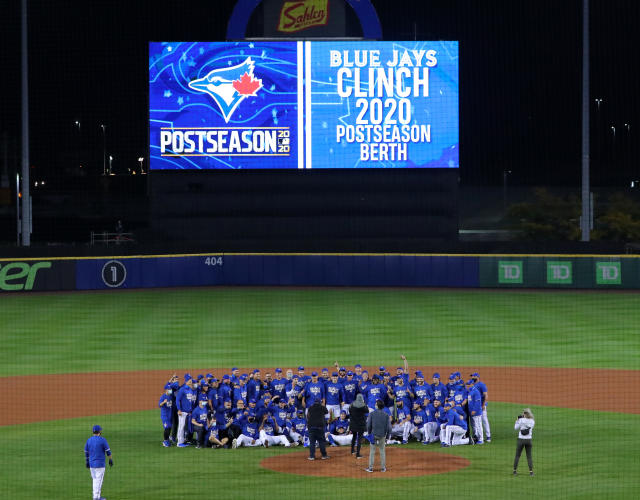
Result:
<point x="577" y="454"/>
<point x="216" y="327"/>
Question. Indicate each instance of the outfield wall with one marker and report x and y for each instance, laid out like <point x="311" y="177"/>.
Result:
<point x="236" y="269"/>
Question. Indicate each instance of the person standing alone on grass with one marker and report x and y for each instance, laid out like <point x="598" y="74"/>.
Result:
<point x="378" y="424"/>
<point x="524" y="424"/>
<point x="94" y="451"/>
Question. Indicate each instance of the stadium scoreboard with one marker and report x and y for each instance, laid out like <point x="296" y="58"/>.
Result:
<point x="303" y="105"/>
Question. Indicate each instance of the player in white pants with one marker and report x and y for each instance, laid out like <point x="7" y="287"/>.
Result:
<point x="401" y="429"/>
<point x="243" y="440"/>
<point x="271" y="440"/>
<point x="268" y="430"/>
<point x="339" y="434"/>
<point x="432" y="432"/>
<point x="456" y="434"/>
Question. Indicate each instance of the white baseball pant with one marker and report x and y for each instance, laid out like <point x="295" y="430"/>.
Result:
<point x="334" y="411"/>
<point x="485" y="423"/>
<point x="97" y="474"/>
<point x="476" y="422"/>
<point x="274" y="440"/>
<point x="342" y="439"/>
<point x="402" y="429"/>
<point x="432" y="431"/>
<point x="420" y="433"/>
<point x="182" y="423"/>
<point x="456" y="434"/>
<point x="243" y="440"/>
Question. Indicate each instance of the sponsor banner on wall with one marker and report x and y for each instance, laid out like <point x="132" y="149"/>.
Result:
<point x="37" y="275"/>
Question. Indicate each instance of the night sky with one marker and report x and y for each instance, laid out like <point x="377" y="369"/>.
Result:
<point x="520" y="79"/>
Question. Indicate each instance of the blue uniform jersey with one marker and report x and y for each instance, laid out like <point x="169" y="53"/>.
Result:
<point x="363" y="387"/>
<point x="402" y="392"/>
<point x="269" y="427"/>
<point x="475" y="402"/>
<point x="166" y="409"/>
<point x="374" y="392"/>
<point x="350" y="388"/>
<point x="451" y="389"/>
<point x="200" y="416"/>
<point x="212" y="394"/>
<point x="440" y="415"/>
<point x="238" y="415"/>
<point x="438" y="391"/>
<point x="254" y="389"/>
<point x="460" y="395"/>
<point x="334" y="393"/>
<point x="403" y="414"/>
<point x="404" y="377"/>
<point x="239" y="393"/>
<point x="186" y="399"/>
<point x="313" y="392"/>
<point x="94" y="450"/>
<point x="339" y="427"/>
<point x="454" y="418"/>
<point x="418" y="418"/>
<point x="299" y="425"/>
<point x="250" y="429"/>
<point x="420" y="391"/>
<point x="282" y="415"/>
<point x="222" y="415"/>
<point x="225" y="391"/>
<point x="279" y="388"/>
<point x="482" y="387"/>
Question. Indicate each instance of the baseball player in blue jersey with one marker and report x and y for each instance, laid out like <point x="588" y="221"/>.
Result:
<point x="334" y="396"/>
<point x="441" y="418"/>
<point x="475" y="411"/>
<point x="199" y="420"/>
<point x="419" y="387"/>
<point x="437" y="389"/>
<point x="166" y="410"/>
<point x="278" y="385"/>
<point x="250" y="435"/>
<point x="269" y="432"/>
<point x="185" y="401"/>
<point x="214" y="439"/>
<point x="313" y="391"/>
<point x="418" y="423"/>
<point x="482" y="387"/>
<point x="401" y="423"/>
<point x="349" y="388"/>
<point x="94" y="452"/>
<point x="240" y="390"/>
<point x="456" y="426"/>
<point x="339" y="434"/>
<point x="374" y="392"/>
<point x="298" y="428"/>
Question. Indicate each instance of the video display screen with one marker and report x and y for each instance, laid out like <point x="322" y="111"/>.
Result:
<point x="302" y="105"/>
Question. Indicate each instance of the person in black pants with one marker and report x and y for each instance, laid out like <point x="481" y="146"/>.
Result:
<point x="358" y="413"/>
<point x="316" y="427"/>
<point x="524" y="424"/>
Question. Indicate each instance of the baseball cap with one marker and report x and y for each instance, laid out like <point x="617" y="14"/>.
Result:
<point x="209" y="375"/>
<point x="365" y="371"/>
<point x="470" y="382"/>
<point x="448" y="403"/>
<point x="476" y="374"/>
<point x="167" y="386"/>
<point x="343" y="412"/>
<point x="252" y="400"/>
<point x="358" y="366"/>
<point x="233" y="369"/>
<point x="342" y="368"/>
<point x="214" y="380"/>
<point x="325" y="370"/>
<point x="457" y="374"/>
<point x="301" y="368"/>
<point x="300" y="411"/>
<point x="225" y="377"/>
<point x="314" y="374"/>
<point x="97" y="428"/>
<point x="187" y="377"/>
<point x="382" y="368"/>
<point x="376" y="376"/>
<point x="400" y="368"/>
<point x="436" y="375"/>
<point x="244" y="377"/>
<point x="452" y="376"/>
<point x="350" y="373"/>
<point x="256" y="370"/>
<point x="200" y="377"/>
<point x="386" y="374"/>
<point x="334" y="374"/>
<point x="278" y="370"/>
<point x="419" y="374"/>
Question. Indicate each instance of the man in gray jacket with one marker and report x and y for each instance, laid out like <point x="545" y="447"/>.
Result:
<point x="378" y="424"/>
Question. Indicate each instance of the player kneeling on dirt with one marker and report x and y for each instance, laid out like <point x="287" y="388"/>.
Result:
<point x="339" y="434"/>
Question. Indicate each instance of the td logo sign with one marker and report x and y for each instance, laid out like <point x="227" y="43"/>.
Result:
<point x="510" y="271"/>
<point x="608" y="273"/>
<point x="16" y="276"/>
<point x="559" y="273"/>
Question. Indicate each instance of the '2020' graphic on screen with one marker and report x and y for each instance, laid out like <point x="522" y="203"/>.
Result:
<point x="250" y="105"/>
<point x="222" y="105"/>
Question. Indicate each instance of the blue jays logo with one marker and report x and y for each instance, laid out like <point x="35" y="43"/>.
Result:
<point x="229" y="86"/>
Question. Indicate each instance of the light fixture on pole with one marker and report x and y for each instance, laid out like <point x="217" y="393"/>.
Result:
<point x="110" y="160"/>
<point x="141" y="159"/>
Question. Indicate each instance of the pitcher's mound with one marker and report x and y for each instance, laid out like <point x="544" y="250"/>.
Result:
<point x="401" y="462"/>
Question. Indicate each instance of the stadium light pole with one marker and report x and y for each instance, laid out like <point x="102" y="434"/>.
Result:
<point x="104" y="148"/>
<point x="585" y="220"/>
<point x="26" y="197"/>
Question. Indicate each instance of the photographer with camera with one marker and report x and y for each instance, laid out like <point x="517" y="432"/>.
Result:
<point x="524" y="424"/>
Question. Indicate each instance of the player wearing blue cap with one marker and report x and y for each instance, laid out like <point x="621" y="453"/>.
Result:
<point x="349" y="390"/>
<point x="240" y="390"/>
<point x="175" y="386"/>
<point x="270" y="432"/>
<point x="419" y="388"/>
<point x="456" y="426"/>
<point x="199" y="420"/>
<point x="185" y="401"/>
<point x="250" y="435"/>
<point x="339" y="434"/>
<point x="166" y="410"/>
<point x="374" y="392"/>
<point x="224" y="419"/>
<point x="401" y="422"/>
<point x="298" y="428"/>
<point x="437" y="390"/>
<point x="482" y="387"/>
<point x="94" y="451"/>
<point x="475" y="411"/>
<point x="418" y="423"/>
<point x="334" y="396"/>
<point x="313" y="391"/>
<point x="278" y="386"/>
<point x="214" y="439"/>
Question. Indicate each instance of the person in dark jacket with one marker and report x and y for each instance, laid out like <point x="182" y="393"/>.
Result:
<point x="316" y="427"/>
<point x="378" y="424"/>
<point x="358" y="412"/>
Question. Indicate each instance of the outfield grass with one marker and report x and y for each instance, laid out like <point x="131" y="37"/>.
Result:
<point x="577" y="454"/>
<point x="156" y="329"/>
